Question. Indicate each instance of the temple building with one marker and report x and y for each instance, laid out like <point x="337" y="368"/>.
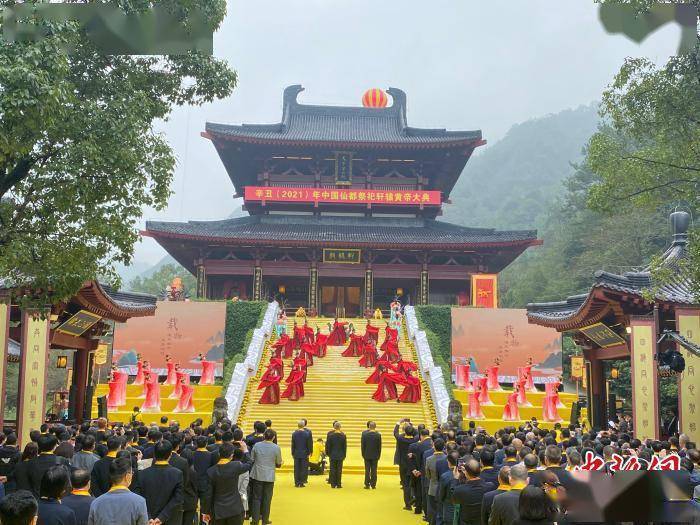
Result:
<point x="342" y="205"/>
<point x="632" y="316"/>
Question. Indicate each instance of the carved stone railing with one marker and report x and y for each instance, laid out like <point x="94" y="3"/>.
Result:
<point x="242" y="372"/>
<point x="431" y="373"/>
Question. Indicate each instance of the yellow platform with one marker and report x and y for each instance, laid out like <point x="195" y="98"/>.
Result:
<point x="336" y="389"/>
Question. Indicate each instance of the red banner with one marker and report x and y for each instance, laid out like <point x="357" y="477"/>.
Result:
<point x="484" y="291"/>
<point x="342" y="196"/>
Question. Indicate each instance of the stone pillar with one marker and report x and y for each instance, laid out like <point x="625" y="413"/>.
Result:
<point x="31" y="400"/>
<point x="201" y="282"/>
<point x="313" y="291"/>
<point x="369" y="291"/>
<point x="645" y="383"/>
<point x="257" y="283"/>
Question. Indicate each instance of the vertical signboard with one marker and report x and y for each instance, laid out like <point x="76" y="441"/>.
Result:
<point x="32" y="374"/>
<point x="645" y="413"/>
<point x="689" y="382"/>
<point x="485" y="291"/>
<point x="4" y="341"/>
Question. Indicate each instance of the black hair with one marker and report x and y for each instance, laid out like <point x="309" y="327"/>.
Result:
<point x="79" y="478"/>
<point x="237" y="454"/>
<point x="201" y="441"/>
<point x="238" y="434"/>
<point x="535" y="505"/>
<point x="439" y="444"/>
<point x="46" y="442"/>
<point x="162" y="450"/>
<point x="155" y="434"/>
<point x="54" y="482"/>
<point x="163" y="419"/>
<point x="88" y="442"/>
<point x="486" y="457"/>
<point x="510" y="451"/>
<point x="114" y="443"/>
<point x="118" y="469"/>
<point x="269" y="434"/>
<point x="226" y="449"/>
<point x="18" y="508"/>
<point x="11" y="439"/>
<point x="259" y="427"/>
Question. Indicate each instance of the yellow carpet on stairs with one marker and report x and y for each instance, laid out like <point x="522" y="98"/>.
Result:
<point x="319" y="504"/>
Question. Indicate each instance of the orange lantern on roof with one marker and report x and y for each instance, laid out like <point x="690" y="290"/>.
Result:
<point x="375" y="98"/>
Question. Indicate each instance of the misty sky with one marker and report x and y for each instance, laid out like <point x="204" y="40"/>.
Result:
<point x="464" y="64"/>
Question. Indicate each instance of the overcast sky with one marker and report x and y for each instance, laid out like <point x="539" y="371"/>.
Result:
<point x="464" y="64"/>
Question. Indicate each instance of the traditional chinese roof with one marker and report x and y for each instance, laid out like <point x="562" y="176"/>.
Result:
<point x="360" y="126"/>
<point x="607" y="289"/>
<point x="113" y="304"/>
<point x="376" y="232"/>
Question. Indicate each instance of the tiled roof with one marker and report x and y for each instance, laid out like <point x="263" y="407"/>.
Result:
<point x="310" y="230"/>
<point x="130" y="300"/>
<point x="677" y="290"/>
<point x="309" y="123"/>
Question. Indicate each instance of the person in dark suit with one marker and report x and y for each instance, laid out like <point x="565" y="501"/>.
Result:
<point x="504" y="509"/>
<point x="222" y="502"/>
<point x="18" y="508"/>
<point x="488" y="473"/>
<point x="503" y="486"/>
<point x="444" y="494"/>
<point x="371" y="447"/>
<point x="65" y="448"/>
<point x="10" y="456"/>
<point x="403" y="442"/>
<point x="189" y="487"/>
<point x="154" y="436"/>
<point x="54" y="484"/>
<point x="552" y="463"/>
<point x="161" y="487"/>
<point x="415" y="457"/>
<point x="336" y="450"/>
<point x="37" y="467"/>
<point x="202" y="461"/>
<point x="99" y="478"/>
<point x="469" y="493"/>
<point x="79" y="499"/>
<point x="302" y="445"/>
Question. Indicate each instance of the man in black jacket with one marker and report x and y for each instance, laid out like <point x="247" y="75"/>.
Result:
<point x="10" y="455"/>
<point x="371" y="446"/>
<point x="189" y="487"/>
<point x="336" y="450"/>
<point x="222" y="502"/>
<point x="403" y="442"/>
<point x="99" y="478"/>
<point x="161" y="486"/>
<point x="43" y="462"/>
<point x="302" y="445"/>
<point x="415" y="464"/>
<point x="469" y="494"/>
<point x="202" y="460"/>
<point x="79" y="499"/>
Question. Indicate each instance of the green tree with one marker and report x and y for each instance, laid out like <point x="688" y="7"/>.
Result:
<point x="79" y="156"/>
<point x="157" y="282"/>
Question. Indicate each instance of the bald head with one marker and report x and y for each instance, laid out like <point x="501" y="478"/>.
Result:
<point x="472" y="468"/>
<point x="372" y="425"/>
<point x="301" y="423"/>
<point x="337" y="425"/>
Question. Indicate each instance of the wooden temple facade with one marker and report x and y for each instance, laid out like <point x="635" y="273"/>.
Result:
<point x="80" y="324"/>
<point x="625" y="317"/>
<point x="342" y="205"/>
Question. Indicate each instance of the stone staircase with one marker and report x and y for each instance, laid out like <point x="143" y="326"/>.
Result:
<point x="336" y="390"/>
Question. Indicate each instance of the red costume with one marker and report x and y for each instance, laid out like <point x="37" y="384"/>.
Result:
<point x="298" y="365"/>
<point x="391" y="351"/>
<point x="207" y="377"/>
<point x="152" y="401"/>
<point x="113" y="397"/>
<point x="270" y="381"/>
<point x="170" y="378"/>
<point x="123" y="379"/>
<point x="511" y="412"/>
<point x="295" y="385"/>
<point x="484" y="391"/>
<point x="355" y="346"/>
<point x="386" y="388"/>
<point x="299" y="336"/>
<point x="474" y="409"/>
<point x="390" y="335"/>
<point x="321" y="343"/>
<point x="138" y="380"/>
<point x="405" y="367"/>
<point x="492" y="376"/>
<point x="462" y="377"/>
<point x="525" y="373"/>
<point x="522" y="395"/>
<point x="412" y="391"/>
<point x="186" y="402"/>
<point x="284" y="346"/>
<point x="380" y="367"/>
<point x="182" y="378"/>
<point x="338" y="336"/>
<point x="369" y="356"/>
<point x="371" y="333"/>
<point x="551" y="389"/>
<point x="308" y="350"/>
<point x="549" y="407"/>
<point x="308" y="333"/>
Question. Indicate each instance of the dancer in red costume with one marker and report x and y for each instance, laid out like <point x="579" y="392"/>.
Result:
<point x="299" y="364"/>
<point x="474" y="410"/>
<point x="553" y="387"/>
<point x="492" y="375"/>
<point x="525" y="373"/>
<point x="462" y="378"/>
<point x="371" y="333"/>
<point x="138" y="380"/>
<point x="152" y="401"/>
<point x="522" y="395"/>
<point x="121" y="378"/>
<point x="170" y="378"/>
<point x="207" y="377"/>
<point x="549" y="407"/>
<point x="412" y="391"/>
<point x="380" y="367"/>
<point x="308" y="351"/>
<point x="146" y="371"/>
<point x="390" y="335"/>
<point x="182" y="378"/>
<point x="113" y="397"/>
<point x="369" y="355"/>
<point x="276" y="364"/>
<point x="405" y="367"/>
<point x="511" y="412"/>
<point x="338" y="336"/>
<point x="186" y="402"/>
<point x="391" y="351"/>
<point x="355" y="346"/>
<point x="484" y="398"/>
<point x="295" y="385"/>
<point x="386" y="387"/>
<point x="308" y="332"/>
<point x="270" y="381"/>
<point x="321" y="343"/>
<point x="299" y="335"/>
<point x="284" y="346"/>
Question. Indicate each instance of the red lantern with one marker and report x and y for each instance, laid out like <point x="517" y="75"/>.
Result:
<point x="374" y="98"/>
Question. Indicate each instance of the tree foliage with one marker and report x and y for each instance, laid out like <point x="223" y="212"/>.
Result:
<point x="157" y="282"/>
<point x="79" y="156"/>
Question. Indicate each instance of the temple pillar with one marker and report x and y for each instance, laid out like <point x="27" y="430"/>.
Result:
<point x="369" y="291"/>
<point x="5" y="307"/>
<point x="596" y="389"/>
<point x="688" y="323"/>
<point x="201" y="282"/>
<point x="313" y="291"/>
<point x="645" y="382"/>
<point x="31" y="400"/>
<point x="81" y="360"/>
<point x="257" y="283"/>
